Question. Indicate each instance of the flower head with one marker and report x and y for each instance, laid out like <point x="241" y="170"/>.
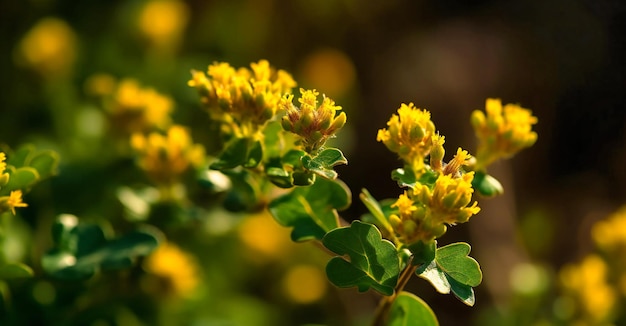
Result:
<point x="166" y="157"/>
<point x="450" y="199"/>
<point x="502" y="132"/>
<point x="587" y="282"/>
<point x="133" y="108"/>
<point x="245" y="98"/>
<point x="178" y="268"/>
<point x="10" y="202"/>
<point x="314" y="124"/>
<point x="409" y="134"/>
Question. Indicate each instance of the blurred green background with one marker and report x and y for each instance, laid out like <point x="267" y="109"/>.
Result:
<point x="565" y="60"/>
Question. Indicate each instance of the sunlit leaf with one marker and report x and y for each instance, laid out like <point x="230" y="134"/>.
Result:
<point x="373" y="261"/>
<point x="410" y="310"/>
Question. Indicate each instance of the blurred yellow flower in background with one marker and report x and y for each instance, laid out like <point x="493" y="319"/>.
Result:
<point x="133" y="108"/>
<point x="610" y="234"/>
<point x="166" y="157"/>
<point x="305" y="284"/>
<point x="162" y="22"/>
<point x="177" y="268"/>
<point x="49" y="48"/>
<point x="587" y="282"/>
<point x="329" y="70"/>
<point x="266" y="238"/>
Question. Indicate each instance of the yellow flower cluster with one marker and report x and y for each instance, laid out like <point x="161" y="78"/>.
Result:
<point x="133" y="108"/>
<point x="502" y="132"/>
<point x="166" y="157"/>
<point x="610" y="234"/>
<point x="163" y="21"/>
<point x="314" y="124"/>
<point x="14" y="199"/>
<point x="243" y="99"/>
<point x="588" y="284"/>
<point x="424" y="211"/>
<point x="49" y="48"/>
<point x="178" y="268"/>
<point x="409" y="134"/>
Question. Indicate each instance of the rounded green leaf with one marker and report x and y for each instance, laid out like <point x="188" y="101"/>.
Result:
<point x="21" y="178"/>
<point x="487" y="185"/>
<point x="235" y="154"/>
<point x="324" y="162"/>
<point x="15" y="271"/>
<point x="410" y="310"/>
<point x="453" y="259"/>
<point x="46" y="163"/>
<point x="311" y="211"/>
<point x="373" y="261"/>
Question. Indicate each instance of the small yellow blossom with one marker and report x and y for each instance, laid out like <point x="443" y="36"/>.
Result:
<point x="450" y="199"/>
<point x="409" y="134"/>
<point x="15" y="200"/>
<point x="404" y="205"/>
<point x="461" y="158"/>
<point x="502" y="132"/>
<point x="177" y="267"/>
<point x="437" y="152"/>
<point x="162" y="22"/>
<point x="610" y="233"/>
<point x="587" y="283"/>
<point x="49" y="47"/>
<point x="4" y="177"/>
<point x="243" y="99"/>
<point x="314" y="124"/>
<point x="166" y="157"/>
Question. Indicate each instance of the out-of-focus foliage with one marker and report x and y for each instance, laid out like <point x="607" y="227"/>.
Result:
<point x="81" y="79"/>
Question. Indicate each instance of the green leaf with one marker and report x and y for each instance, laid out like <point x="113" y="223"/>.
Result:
<point x="463" y="292"/>
<point x="255" y="154"/>
<point x="435" y="276"/>
<point x="410" y="310"/>
<point x="46" y="163"/>
<point x="373" y="261"/>
<point x="453" y="260"/>
<point x="243" y="194"/>
<point x="452" y="270"/>
<point x="486" y="185"/>
<point x="20" y="178"/>
<point x="83" y="249"/>
<point x="405" y="178"/>
<point x="324" y="162"/>
<point x="15" y="271"/>
<point x="423" y="253"/>
<point x="311" y="211"/>
<point x="235" y="154"/>
<point x="377" y="212"/>
<point x="21" y="156"/>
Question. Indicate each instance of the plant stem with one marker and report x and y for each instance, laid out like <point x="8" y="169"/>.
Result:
<point x="385" y="304"/>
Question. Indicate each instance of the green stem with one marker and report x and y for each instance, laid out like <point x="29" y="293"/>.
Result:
<point x="385" y="304"/>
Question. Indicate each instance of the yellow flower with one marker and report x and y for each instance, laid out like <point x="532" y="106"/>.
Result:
<point x="48" y="47"/>
<point x="15" y="200"/>
<point x="4" y="177"/>
<point x="177" y="267"/>
<point x="610" y="234"/>
<point x="243" y="99"/>
<point x="404" y="205"/>
<point x="437" y="152"/>
<point x="166" y="157"/>
<point x="137" y="109"/>
<point x="461" y="158"/>
<point x="409" y="134"/>
<point x="314" y="124"/>
<point x="450" y="199"/>
<point x="163" y="21"/>
<point x="587" y="283"/>
<point x="502" y="132"/>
